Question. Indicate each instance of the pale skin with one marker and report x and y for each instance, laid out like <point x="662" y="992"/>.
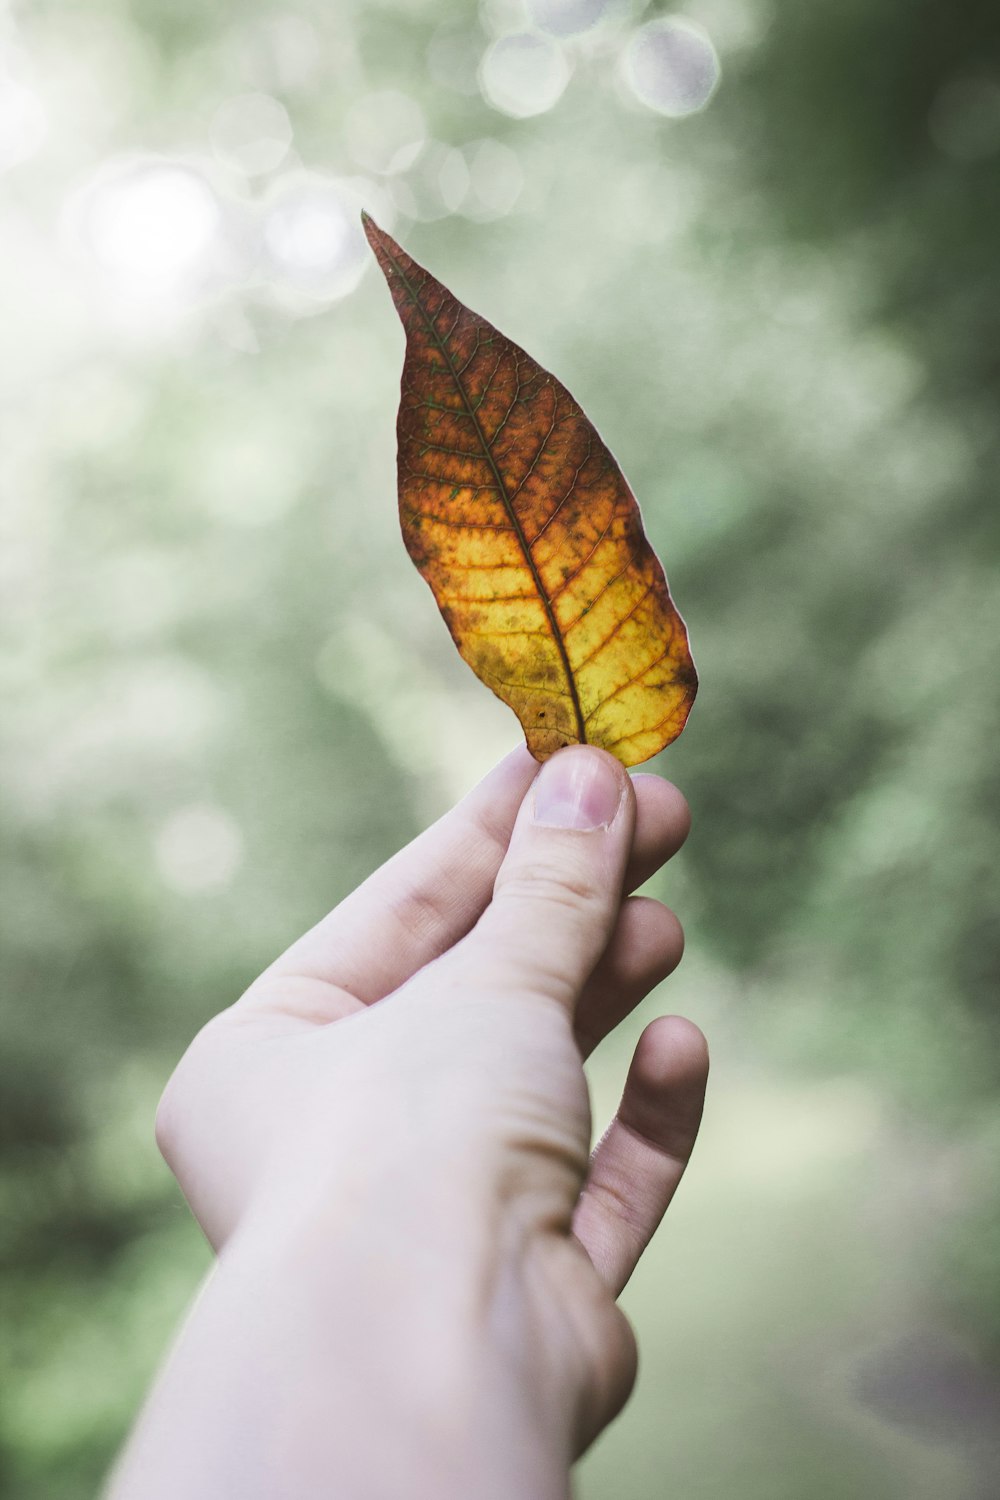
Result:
<point x="387" y="1141"/>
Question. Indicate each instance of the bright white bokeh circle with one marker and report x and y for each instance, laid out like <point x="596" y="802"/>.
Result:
<point x="153" y="221"/>
<point x="312" y="236"/>
<point x="523" y="74"/>
<point x="23" y="123"/>
<point x="671" y="66"/>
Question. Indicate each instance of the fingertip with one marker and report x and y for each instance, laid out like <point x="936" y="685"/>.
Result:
<point x="645" y="947"/>
<point x="642" y="1156"/>
<point x="581" y="788"/>
<point x="495" y="799"/>
<point x="662" y="800"/>
<point x="649" y="937"/>
<point x="517" y="768"/>
<point x="665" y="1091"/>
<point x="662" y="822"/>
<point x="672" y="1050"/>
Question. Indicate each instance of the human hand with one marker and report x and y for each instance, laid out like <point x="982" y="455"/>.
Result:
<point x="397" y="1107"/>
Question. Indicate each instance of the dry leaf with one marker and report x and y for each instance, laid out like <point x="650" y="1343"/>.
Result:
<point x="522" y="523"/>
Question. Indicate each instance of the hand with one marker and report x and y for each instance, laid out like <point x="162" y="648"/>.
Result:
<point x="395" y="1116"/>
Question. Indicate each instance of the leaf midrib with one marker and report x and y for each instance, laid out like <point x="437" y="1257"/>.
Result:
<point x="581" y="727"/>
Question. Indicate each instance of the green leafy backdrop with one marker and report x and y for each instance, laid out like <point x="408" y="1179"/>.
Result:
<point x="227" y="696"/>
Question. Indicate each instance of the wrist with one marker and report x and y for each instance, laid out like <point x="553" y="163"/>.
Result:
<point x="394" y="1377"/>
<point x="299" y="1374"/>
<point x="344" y="1347"/>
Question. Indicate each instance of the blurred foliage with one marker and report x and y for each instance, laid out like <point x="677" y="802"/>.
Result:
<point x="228" y="696"/>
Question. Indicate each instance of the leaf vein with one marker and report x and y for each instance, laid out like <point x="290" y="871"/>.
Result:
<point x="610" y="697"/>
<point x="572" y="577"/>
<point x="572" y="489"/>
<point x="531" y="598"/>
<point x="615" y="632"/>
<point x="632" y="559"/>
<point x="523" y="687"/>
<point x="638" y="733"/>
<point x="420" y="515"/>
<point x="501" y="635"/>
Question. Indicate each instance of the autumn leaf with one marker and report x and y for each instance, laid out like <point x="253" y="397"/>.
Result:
<point x="521" y="521"/>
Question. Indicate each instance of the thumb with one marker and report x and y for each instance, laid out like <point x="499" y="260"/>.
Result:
<point x="557" y="896"/>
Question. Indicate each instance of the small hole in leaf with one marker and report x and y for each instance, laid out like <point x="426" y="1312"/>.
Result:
<point x="541" y="713"/>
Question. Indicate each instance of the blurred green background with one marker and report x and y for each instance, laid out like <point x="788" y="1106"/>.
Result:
<point x="760" y="241"/>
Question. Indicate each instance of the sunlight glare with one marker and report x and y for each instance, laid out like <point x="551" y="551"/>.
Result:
<point x="313" y="237"/>
<point x="23" y="125"/>
<point x="153" y="222"/>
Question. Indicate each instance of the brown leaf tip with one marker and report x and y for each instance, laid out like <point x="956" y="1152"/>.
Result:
<point x="372" y="232"/>
<point x="385" y="249"/>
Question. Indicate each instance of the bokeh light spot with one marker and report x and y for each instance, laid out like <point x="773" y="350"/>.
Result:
<point x="251" y="133"/>
<point x="313" y="238"/>
<point x="152" y="222"/>
<point x="566" y="17"/>
<point x="453" y="180"/>
<point x="199" y="849"/>
<point x="421" y="194"/>
<point x="671" y="66"/>
<point x="503" y="17"/>
<point x="524" y="74"/>
<point x="23" y="125"/>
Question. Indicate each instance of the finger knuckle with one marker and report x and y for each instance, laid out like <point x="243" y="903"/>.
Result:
<point x="174" y="1109"/>
<point x="165" y="1122"/>
<point x="572" y="889"/>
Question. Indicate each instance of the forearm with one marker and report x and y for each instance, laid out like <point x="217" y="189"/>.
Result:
<point x="296" y="1378"/>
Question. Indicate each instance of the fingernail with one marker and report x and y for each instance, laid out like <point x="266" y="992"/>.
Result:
<point x="577" y="789"/>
